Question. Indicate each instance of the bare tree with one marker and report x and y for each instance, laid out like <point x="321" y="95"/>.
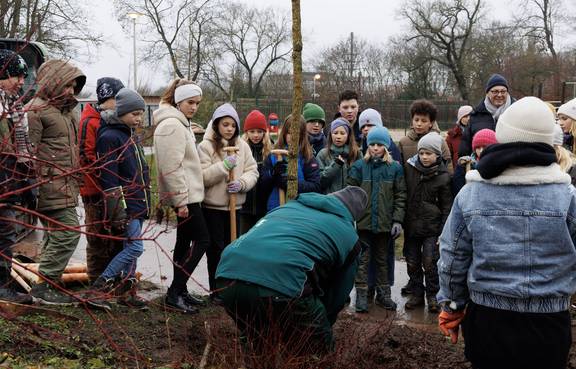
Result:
<point x="296" y="101"/>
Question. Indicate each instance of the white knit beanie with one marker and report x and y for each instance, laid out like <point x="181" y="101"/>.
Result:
<point x="568" y="109"/>
<point x="558" y="135"/>
<point x="370" y="116"/>
<point x="527" y="120"/>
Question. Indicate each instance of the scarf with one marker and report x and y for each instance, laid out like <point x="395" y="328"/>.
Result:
<point x="12" y="108"/>
<point x="425" y="171"/>
<point x="496" y="112"/>
<point x="317" y="138"/>
<point x="343" y="151"/>
<point x="499" y="157"/>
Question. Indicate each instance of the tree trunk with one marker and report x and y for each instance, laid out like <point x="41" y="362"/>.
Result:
<point x="296" y="101"/>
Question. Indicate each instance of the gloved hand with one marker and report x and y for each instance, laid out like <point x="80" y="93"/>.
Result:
<point x="115" y="211"/>
<point x="339" y="160"/>
<point x="449" y="323"/>
<point x="463" y="160"/>
<point x="396" y="230"/>
<point x="280" y="168"/>
<point x="229" y="162"/>
<point x="234" y="186"/>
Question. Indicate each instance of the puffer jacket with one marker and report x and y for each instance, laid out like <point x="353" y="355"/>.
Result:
<point x="386" y="189"/>
<point x="333" y="177"/>
<point x="429" y="199"/>
<point x="408" y="146"/>
<point x="180" y="179"/>
<point x="509" y="241"/>
<point x="53" y="134"/>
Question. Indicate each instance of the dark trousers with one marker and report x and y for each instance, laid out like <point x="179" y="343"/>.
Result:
<point x="391" y="260"/>
<point x="498" y="339"/>
<point x="192" y="240"/>
<point x="422" y="256"/>
<point x="7" y="240"/>
<point x="379" y="244"/>
<point x="218" y="222"/>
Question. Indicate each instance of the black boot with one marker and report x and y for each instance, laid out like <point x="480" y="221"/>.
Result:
<point x="192" y="300"/>
<point x="361" y="300"/>
<point x="7" y="291"/>
<point x="176" y="301"/>
<point x="384" y="298"/>
<point x="127" y="295"/>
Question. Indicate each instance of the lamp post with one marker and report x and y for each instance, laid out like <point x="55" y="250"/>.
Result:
<point x="134" y="16"/>
<point x="316" y="77"/>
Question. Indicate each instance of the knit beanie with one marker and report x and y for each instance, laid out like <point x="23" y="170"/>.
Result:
<point x="496" y="80"/>
<point x="127" y="101"/>
<point x="314" y="112"/>
<point x="187" y="91"/>
<point x="340" y="122"/>
<point x="354" y="198"/>
<point x="255" y="120"/>
<point x="568" y="109"/>
<point x="12" y="64"/>
<point x="463" y="111"/>
<point x="558" y="135"/>
<point x="527" y="120"/>
<point x="379" y="135"/>
<point x="107" y="88"/>
<point x="484" y="137"/>
<point x="432" y="142"/>
<point x="370" y="116"/>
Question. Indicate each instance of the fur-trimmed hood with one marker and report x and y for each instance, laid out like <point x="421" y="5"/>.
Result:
<point x="535" y="175"/>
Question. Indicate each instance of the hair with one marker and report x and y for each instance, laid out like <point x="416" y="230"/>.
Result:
<point x="387" y="158"/>
<point x="266" y="141"/>
<point x="424" y="107"/>
<point x="217" y="138"/>
<point x="168" y="96"/>
<point x="564" y="158"/>
<point x="304" y="147"/>
<point x="353" y="150"/>
<point x="347" y="95"/>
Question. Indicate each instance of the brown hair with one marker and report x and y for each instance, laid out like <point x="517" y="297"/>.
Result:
<point x="353" y="150"/>
<point x="304" y="147"/>
<point x="424" y="107"/>
<point x="168" y="96"/>
<point x="217" y="143"/>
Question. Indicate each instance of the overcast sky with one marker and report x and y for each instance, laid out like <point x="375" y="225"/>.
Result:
<point x="323" y="21"/>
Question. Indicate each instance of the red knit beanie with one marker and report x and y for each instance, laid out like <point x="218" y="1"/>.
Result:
<point x="255" y="120"/>
<point x="484" y="137"/>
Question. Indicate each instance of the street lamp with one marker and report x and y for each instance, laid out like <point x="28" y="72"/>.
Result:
<point x="134" y="16"/>
<point x="316" y="77"/>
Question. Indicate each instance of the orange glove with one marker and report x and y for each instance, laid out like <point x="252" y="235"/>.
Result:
<point x="449" y="323"/>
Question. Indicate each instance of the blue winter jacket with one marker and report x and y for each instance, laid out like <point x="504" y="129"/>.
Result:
<point x="508" y="242"/>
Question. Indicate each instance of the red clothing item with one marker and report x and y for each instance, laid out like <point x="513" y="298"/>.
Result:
<point x="453" y="139"/>
<point x="87" y="133"/>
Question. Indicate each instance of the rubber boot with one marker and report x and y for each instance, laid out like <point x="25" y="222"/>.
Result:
<point x="361" y="300"/>
<point x="407" y="289"/>
<point x="384" y="298"/>
<point x="371" y="294"/>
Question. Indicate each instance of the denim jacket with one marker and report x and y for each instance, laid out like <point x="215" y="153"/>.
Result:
<point x="508" y="242"/>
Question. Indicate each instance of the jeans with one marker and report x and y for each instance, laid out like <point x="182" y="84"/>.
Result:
<point x="124" y="264"/>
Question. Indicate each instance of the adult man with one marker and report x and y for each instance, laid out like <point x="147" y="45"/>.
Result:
<point x="14" y="164"/>
<point x="99" y="250"/>
<point x="486" y="114"/>
<point x="53" y="133"/>
<point x="293" y="272"/>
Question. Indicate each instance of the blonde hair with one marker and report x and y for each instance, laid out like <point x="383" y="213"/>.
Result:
<point x="387" y="158"/>
<point x="266" y="141"/>
<point x="564" y="158"/>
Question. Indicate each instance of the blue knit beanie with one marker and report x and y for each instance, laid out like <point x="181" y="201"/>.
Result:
<point x="496" y="80"/>
<point x="340" y="122"/>
<point x="379" y="135"/>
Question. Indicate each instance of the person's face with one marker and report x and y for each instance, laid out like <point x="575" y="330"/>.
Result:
<point x="339" y="136"/>
<point x="12" y="85"/>
<point x="497" y="95"/>
<point x="314" y="127"/>
<point x="227" y="127"/>
<point x="69" y="89"/>
<point x="349" y="110"/>
<point x="189" y="107"/>
<point x="464" y="120"/>
<point x="478" y="151"/>
<point x="421" y="124"/>
<point x="133" y="119"/>
<point x="366" y="128"/>
<point x="565" y="123"/>
<point x="427" y="157"/>
<point x="376" y="150"/>
<point x="255" y="135"/>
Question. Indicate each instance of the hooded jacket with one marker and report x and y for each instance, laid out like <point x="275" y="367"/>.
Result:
<point x="180" y="179"/>
<point x="333" y="177"/>
<point x="216" y="175"/>
<point x="53" y="133"/>
<point x="408" y="146"/>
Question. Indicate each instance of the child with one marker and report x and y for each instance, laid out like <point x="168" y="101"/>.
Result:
<point x="315" y="121"/>
<point x="482" y="139"/>
<point x="383" y="180"/>
<point x="125" y="180"/>
<point x="429" y="203"/>
<point x="454" y="135"/>
<point x="275" y="171"/>
<point x="257" y="137"/>
<point x="564" y="157"/>
<point x="567" y="121"/>
<point x="216" y="164"/>
<point x="368" y="119"/>
<point x="337" y="157"/>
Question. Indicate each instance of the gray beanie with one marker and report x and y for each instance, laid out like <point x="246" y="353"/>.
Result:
<point x="127" y="101"/>
<point x="431" y="141"/>
<point x="370" y="116"/>
<point x="354" y="198"/>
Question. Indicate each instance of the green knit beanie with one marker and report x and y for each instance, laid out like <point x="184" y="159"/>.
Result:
<point x="314" y="112"/>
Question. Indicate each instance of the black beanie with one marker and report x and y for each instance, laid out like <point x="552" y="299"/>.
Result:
<point x="354" y="198"/>
<point x="496" y="80"/>
<point x="107" y="88"/>
<point x="12" y="64"/>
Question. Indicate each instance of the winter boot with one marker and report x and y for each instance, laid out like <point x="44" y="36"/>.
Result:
<point x="7" y="291"/>
<point x="176" y="301"/>
<point x="407" y="289"/>
<point x="433" y="306"/>
<point x="384" y="298"/>
<point x="99" y="293"/>
<point x="127" y="295"/>
<point x="415" y="300"/>
<point x="49" y="295"/>
<point x="361" y="300"/>
<point x="371" y="294"/>
<point x="192" y="300"/>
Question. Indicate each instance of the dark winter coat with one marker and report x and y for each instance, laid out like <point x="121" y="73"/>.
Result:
<point x="409" y="147"/>
<point x="429" y="199"/>
<point x="255" y="203"/>
<point x="125" y="165"/>
<point x="453" y="138"/>
<point x="334" y="176"/>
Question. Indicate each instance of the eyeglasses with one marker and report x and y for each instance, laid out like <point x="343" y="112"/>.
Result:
<point x="498" y="92"/>
<point x="315" y="122"/>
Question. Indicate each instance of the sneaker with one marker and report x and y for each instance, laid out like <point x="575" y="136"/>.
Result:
<point x="179" y="304"/>
<point x="192" y="300"/>
<point x="414" y="302"/>
<point x="10" y="295"/>
<point x="433" y="306"/>
<point x="48" y="295"/>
